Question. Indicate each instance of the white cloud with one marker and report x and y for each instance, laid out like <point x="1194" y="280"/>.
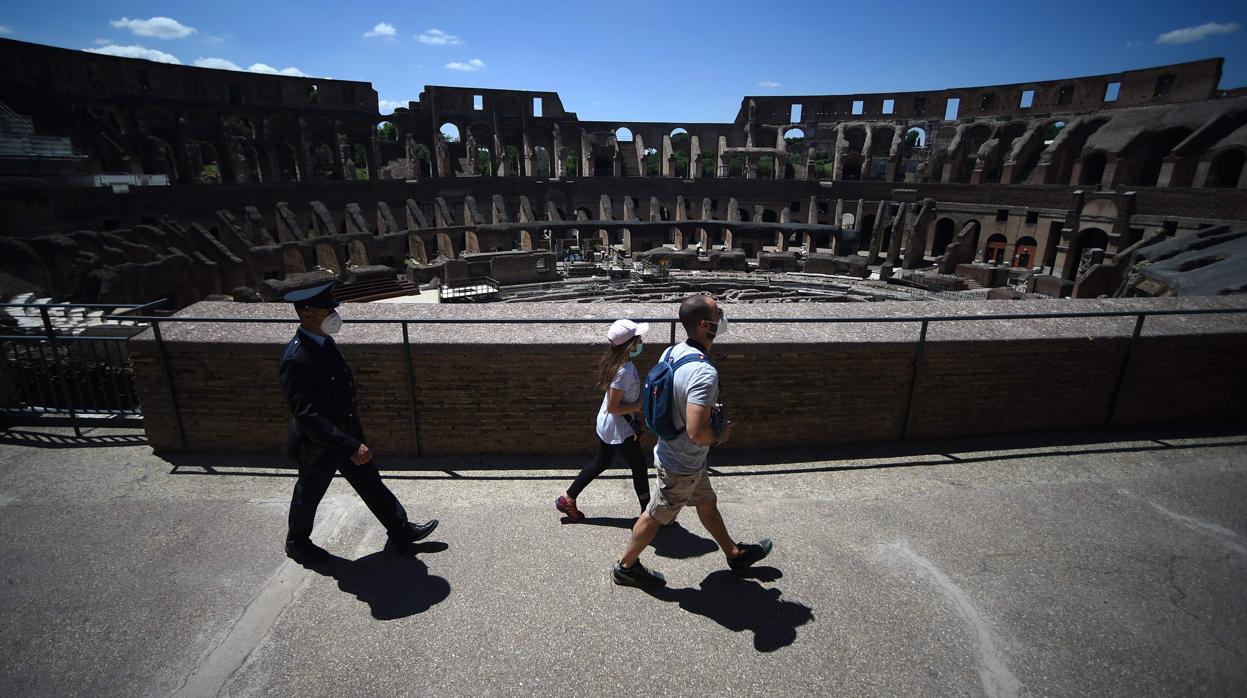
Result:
<point x="136" y="51"/>
<point x="769" y="83"/>
<point x="471" y="66"/>
<point x="102" y="42"/>
<point x="158" y="27"/>
<point x="382" y="29"/>
<point x="387" y="107"/>
<point x="437" y="37"/>
<point x="270" y="70"/>
<point x="223" y="64"/>
<point x="214" y="40"/>
<point x="1186" y="35"/>
<point x="5" y="30"/>
<point x="218" y="63"/>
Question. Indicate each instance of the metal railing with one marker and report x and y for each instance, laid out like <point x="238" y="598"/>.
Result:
<point x="924" y="322"/>
<point x="54" y="376"/>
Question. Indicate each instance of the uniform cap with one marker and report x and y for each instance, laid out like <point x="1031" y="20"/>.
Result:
<point x="313" y="297"/>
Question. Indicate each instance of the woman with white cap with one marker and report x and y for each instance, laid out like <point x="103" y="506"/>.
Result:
<point x="619" y="421"/>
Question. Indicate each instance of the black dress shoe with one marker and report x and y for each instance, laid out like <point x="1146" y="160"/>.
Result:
<point x="415" y="532"/>
<point x="306" y="552"/>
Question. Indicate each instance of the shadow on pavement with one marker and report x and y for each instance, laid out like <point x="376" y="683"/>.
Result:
<point x="43" y="439"/>
<point x="739" y="603"/>
<point x="393" y="585"/>
<point x="672" y="541"/>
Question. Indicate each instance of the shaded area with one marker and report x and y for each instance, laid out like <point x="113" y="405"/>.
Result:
<point x="393" y="585"/>
<point x="672" y="541"/>
<point x="739" y="603"/>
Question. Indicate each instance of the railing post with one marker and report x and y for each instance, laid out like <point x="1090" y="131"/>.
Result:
<point x="411" y="393"/>
<point x="673" y="331"/>
<point x="60" y="370"/>
<point x="1125" y="366"/>
<point x="913" y="383"/>
<point x="173" y="398"/>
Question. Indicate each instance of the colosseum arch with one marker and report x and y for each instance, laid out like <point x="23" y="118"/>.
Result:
<point x="1226" y="169"/>
<point x="681" y="152"/>
<point x="945" y="229"/>
<point x="1150" y="156"/>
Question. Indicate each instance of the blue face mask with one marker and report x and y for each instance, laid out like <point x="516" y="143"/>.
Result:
<point x="636" y="351"/>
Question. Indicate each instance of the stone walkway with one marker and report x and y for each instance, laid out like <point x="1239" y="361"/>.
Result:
<point x="1108" y="564"/>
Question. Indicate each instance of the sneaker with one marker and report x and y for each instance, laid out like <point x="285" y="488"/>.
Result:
<point x="306" y="552"/>
<point x="637" y="576"/>
<point x="568" y="506"/>
<point x="749" y="554"/>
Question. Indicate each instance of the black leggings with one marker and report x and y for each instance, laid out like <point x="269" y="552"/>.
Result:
<point x="630" y="451"/>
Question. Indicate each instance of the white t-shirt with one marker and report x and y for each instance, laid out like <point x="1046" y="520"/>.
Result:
<point x="614" y="428"/>
<point x="696" y="382"/>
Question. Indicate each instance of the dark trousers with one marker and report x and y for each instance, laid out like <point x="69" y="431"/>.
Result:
<point x="314" y="480"/>
<point x="630" y="451"/>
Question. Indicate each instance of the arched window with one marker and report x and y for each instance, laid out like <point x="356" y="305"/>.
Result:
<point x="450" y="132"/>
<point x="387" y="131"/>
<point x="623" y="134"/>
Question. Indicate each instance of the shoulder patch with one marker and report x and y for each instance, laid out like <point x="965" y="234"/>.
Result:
<point x="291" y="349"/>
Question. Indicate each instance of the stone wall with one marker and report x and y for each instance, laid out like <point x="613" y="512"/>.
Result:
<point x="529" y="388"/>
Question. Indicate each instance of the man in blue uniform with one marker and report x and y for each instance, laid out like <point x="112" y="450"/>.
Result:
<point x="325" y="434"/>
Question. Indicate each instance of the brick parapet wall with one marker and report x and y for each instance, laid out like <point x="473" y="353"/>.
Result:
<point x="529" y="388"/>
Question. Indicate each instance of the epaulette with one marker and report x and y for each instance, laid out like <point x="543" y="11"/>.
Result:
<point x="291" y="348"/>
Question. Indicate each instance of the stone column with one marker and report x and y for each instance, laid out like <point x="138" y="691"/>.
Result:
<point x="586" y="155"/>
<point x="694" y="157"/>
<point x="876" y="234"/>
<point x="665" y="156"/>
<point x="720" y="165"/>
<point x="898" y="232"/>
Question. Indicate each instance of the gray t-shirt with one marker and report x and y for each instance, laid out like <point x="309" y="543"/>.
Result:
<point x="696" y="382"/>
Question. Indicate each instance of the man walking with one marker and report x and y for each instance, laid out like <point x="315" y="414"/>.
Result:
<point x="681" y="462"/>
<point x="325" y="434"/>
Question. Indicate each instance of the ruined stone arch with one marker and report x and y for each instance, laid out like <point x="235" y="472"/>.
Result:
<point x="1151" y="155"/>
<point x="287" y="160"/>
<point x="324" y="164"/>
<point x="1226" y="169"/>
<point x="543" y="164"/>
<point x="360" y="161"/>
<point x="623" y="134"/>
<point x="681" y="152"/>
<point x="965" y="156"/>
<point x="1092" y="171"/>
<point x="210" y="164"/>
<point x="945" y="229"/>
<point x="450" y="132"/>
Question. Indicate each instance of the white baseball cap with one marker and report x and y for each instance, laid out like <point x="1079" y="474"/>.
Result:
<point x="623" y="330"/>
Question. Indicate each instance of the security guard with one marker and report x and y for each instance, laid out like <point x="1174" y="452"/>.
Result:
<point x="325" y="433"/>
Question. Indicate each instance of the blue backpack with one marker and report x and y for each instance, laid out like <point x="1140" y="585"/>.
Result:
<point x="656" y="397"/>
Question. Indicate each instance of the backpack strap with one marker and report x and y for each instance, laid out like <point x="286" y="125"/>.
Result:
<point x="688" y="360"/>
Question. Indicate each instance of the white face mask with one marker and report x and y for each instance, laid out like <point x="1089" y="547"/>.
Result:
<point x="722" y="326"/>
<point x="331" y="324"/>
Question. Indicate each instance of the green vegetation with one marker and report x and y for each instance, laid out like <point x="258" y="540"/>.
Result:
<point x="387" y="132"/>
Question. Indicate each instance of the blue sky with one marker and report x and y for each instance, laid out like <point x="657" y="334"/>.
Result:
<point x="647" y="60"/>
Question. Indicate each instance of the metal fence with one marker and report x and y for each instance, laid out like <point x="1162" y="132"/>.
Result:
<point x="67" y="364"/>
<point x="923" y="322"/>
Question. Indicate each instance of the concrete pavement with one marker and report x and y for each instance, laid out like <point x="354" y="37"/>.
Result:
<point x="1108" y="564"/>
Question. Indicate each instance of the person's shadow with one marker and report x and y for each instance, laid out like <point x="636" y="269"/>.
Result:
<point x="739" y="603"/>
<point x="394" y="585"/>
<point x="672" y="541"/>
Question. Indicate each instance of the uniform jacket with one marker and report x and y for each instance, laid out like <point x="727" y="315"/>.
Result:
<point x="320" y="390"/>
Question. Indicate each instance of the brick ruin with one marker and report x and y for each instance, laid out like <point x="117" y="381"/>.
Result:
<point x="274" y="178"/>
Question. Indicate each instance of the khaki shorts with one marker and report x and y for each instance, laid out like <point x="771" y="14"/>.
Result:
<point x="674" y="492"/>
